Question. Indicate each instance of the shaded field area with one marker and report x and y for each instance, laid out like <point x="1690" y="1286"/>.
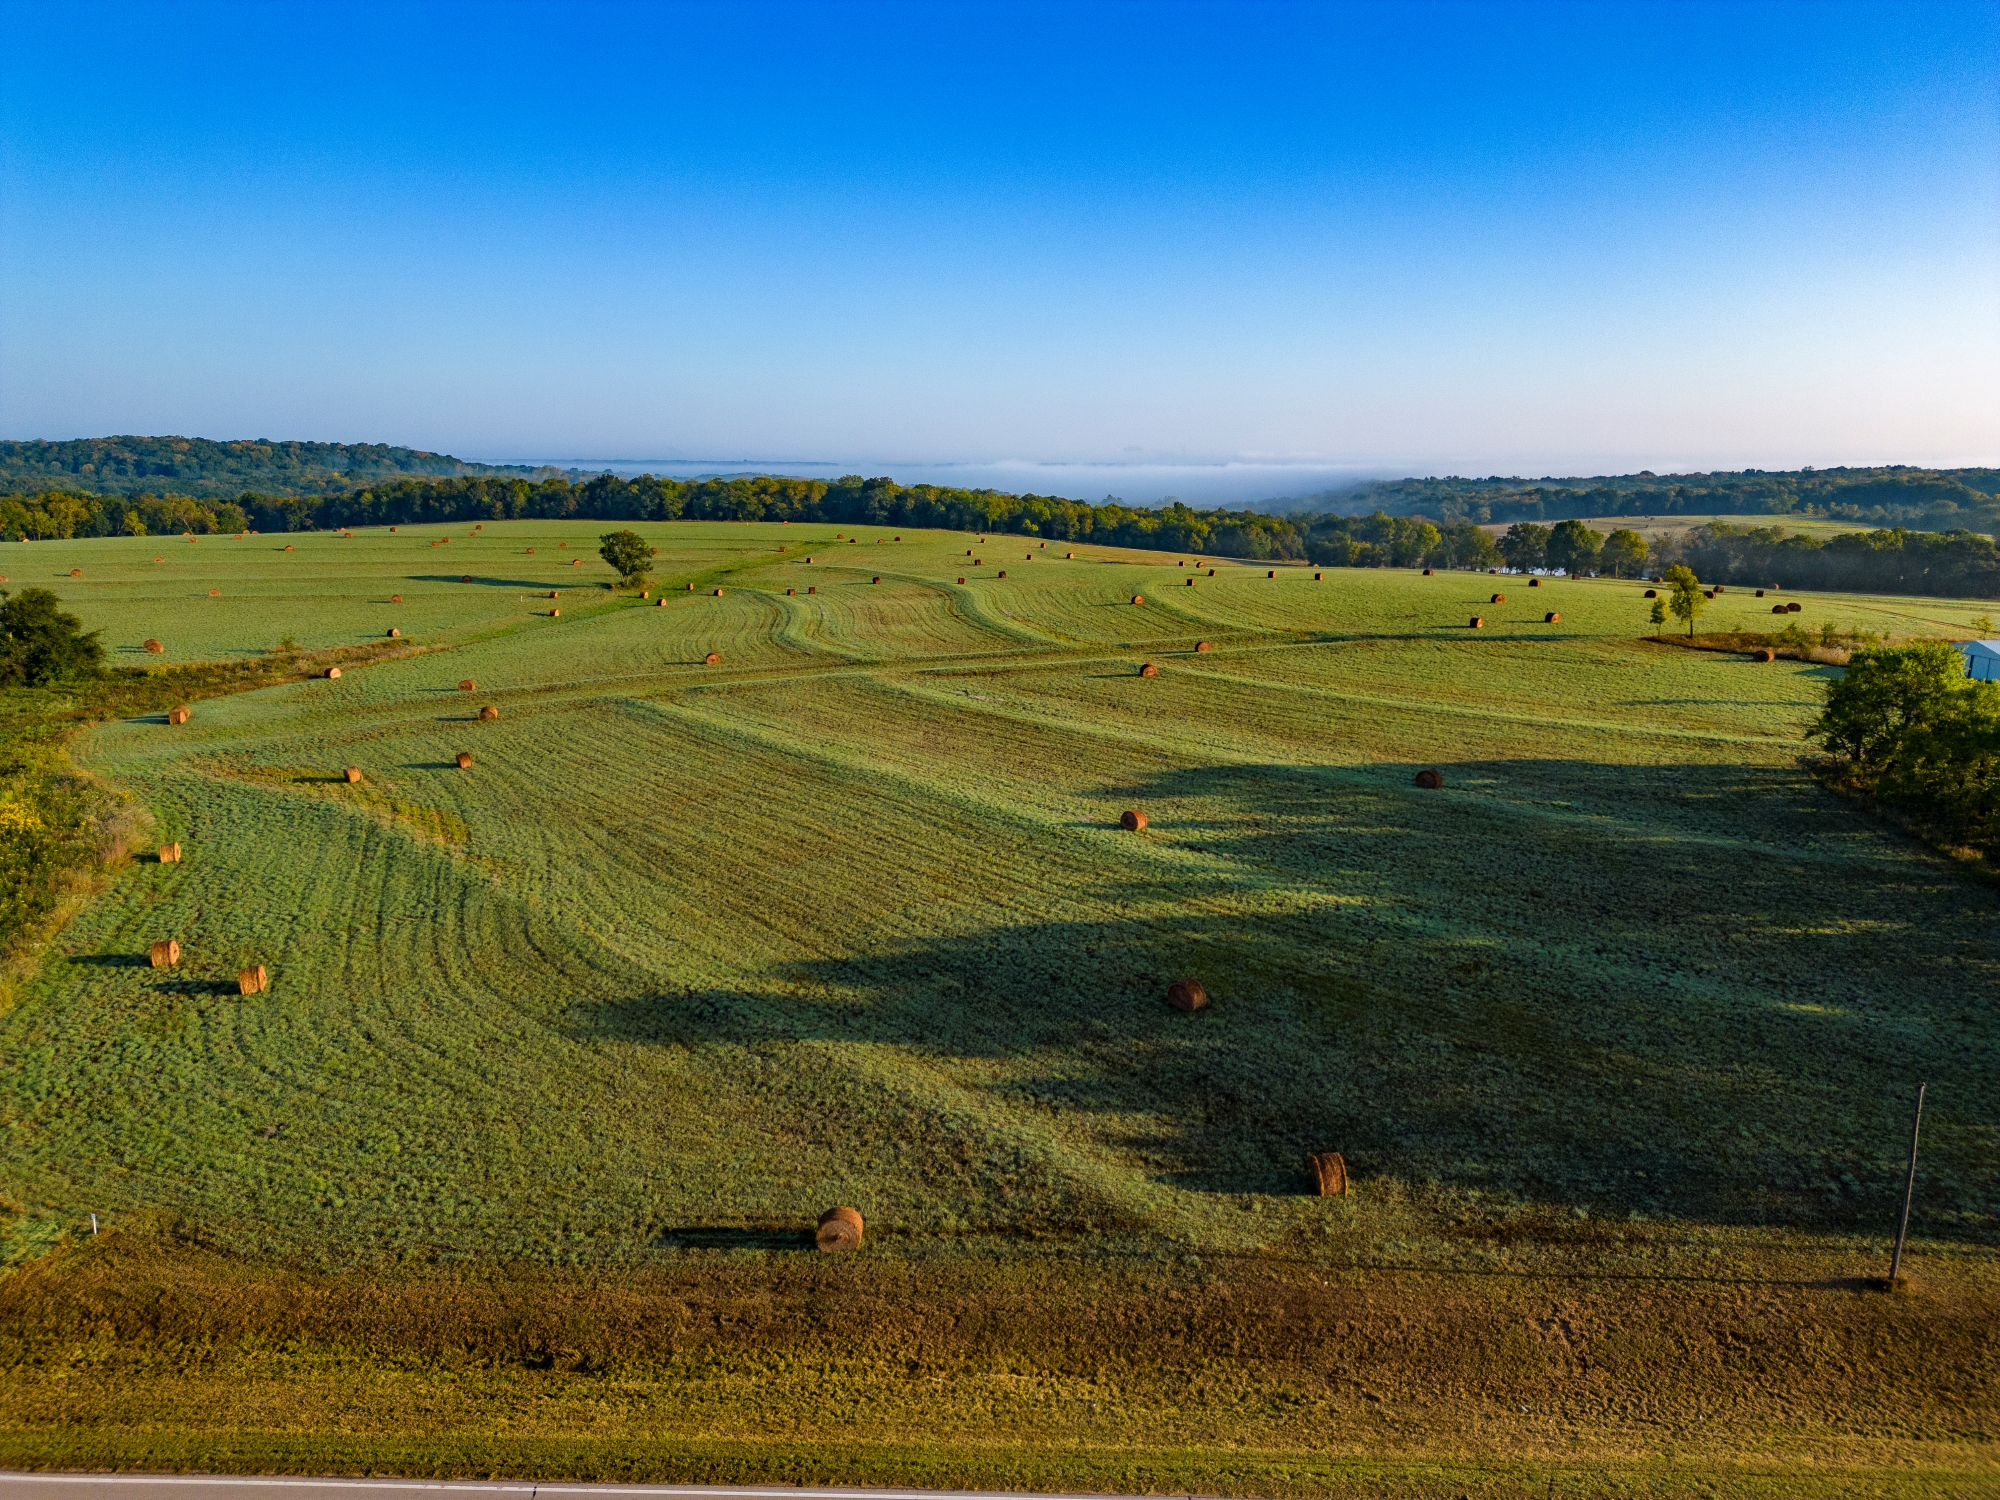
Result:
<point x="1619" y="1025"/>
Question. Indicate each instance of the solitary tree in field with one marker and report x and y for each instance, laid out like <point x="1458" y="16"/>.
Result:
<point x="1659" y="613"/>
<point x="628" y="553"/>
<point x="1687" y="598"/>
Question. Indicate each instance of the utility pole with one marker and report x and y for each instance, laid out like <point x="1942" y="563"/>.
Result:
<point x="1909" y="1191"/>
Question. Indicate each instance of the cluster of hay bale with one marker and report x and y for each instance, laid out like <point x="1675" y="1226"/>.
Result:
<point x="1329" y="1169"/>
<point x="1187" y="995"/>
<point x="1430" y="779"/>
<point x="839" y="1229"/>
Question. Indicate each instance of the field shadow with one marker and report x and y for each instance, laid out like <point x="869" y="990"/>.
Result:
<point x="702" y="1237"/>
<point x="485" y="581"/>
<point x="1696" y="990"/>
<point x="111" y="960"/>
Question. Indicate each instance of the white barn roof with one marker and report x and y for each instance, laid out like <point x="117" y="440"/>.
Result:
<point x="1982" y="659"/>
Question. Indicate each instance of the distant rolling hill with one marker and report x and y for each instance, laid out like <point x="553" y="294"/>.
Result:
<point x="207" y="469"/>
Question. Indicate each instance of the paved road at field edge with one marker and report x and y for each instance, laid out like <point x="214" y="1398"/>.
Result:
<point x="55" y="1486"/>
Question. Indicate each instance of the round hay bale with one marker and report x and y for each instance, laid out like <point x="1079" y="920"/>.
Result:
<point x="465" y="760"/>
<point x="576" y="562"/>
<point x="1003" y="572"/>
<point x="179" y="714"/>
<point x="394" y="632"/>
<point x="1794" y="607"/>
<point x="839" y="1229"/>
<point x="1190" y="583"/>
<point x="559" y="544"/>
<point x="555" y="614"/>
<point x="812" y="588"/>
<point x="1187" y="995"/>
<point x="1430" y="779"/>
<point x="466" y="685"/>
<point x="489" y="712"/>
<point x="395" y="598"/>
<point x="1138" y="598"/>
<point x="718" y="593"/>
<point x="1203" y="646"/>
<point x="1497" y="599"/>
<point x="288" y="546"/>
<point x="790" y="592"/>
<point x="1211" y="572"/>
<point x="1272" y="574"/>
<point x="1429" y="571"/>
<point x="153" y="645"/>
<point x="353" y="775"/>
<point x="1779" y="609"/>
<point x="466" y="579"/>
<point x="1030" y="557"/>
<point x="252" y="981"/>
<point x="333" y="674"/>
<point x="531" y="552"/>
<point x="1652" y="593"/>
<point x="1721" y="589"/>
<point x="1552" y="617"/>
<point x="555" y="593"/>
<point x="1534" y="583"/>
<point x="170" y="854"/>
<point x="878" y="578"/>
<point x="713" y="659"/>
<point x="1760" y="593"/>
<point x="961" y="580"/>
<point x="395" y="528"/>
<point x="159" y="559"/>
<point x="1132" y="820"/>
<point x="1149" y="670"/>
<point x="1070" y="555"/>
<point x="76" y="572"/>
<point x="1329" y="1169"/>
<point x="164" y="955"/>
<point x="1708" y="593"/>
<point x="215" y="593"/>
<point x="1763" y="653"/>
<point x="661" y="602"/>
<point x="1477" y="622"/>
<point x="1319" y="578"/>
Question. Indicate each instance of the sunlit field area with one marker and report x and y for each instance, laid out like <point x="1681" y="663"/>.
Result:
<point x="1617" y="1028"/>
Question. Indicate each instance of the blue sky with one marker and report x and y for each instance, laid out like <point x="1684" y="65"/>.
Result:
<point x="1251" y="246"/>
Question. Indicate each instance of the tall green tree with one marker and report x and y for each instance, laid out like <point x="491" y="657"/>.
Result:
<point x="1687" y="599"/>
<point x="41" y="643"/>
<point x="1573" y="547"/>
<point x="1623" y="553"/>
<point x="628" y="553"/>
<point x="1525" y="546"/>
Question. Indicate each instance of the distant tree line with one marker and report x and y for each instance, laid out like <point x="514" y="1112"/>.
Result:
<point x="1922" y="499"/>
<point x="210" y="470"/>
<point x="1893" y="560"/>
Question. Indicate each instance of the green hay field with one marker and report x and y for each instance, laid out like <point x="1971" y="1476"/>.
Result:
<point x="692" y="952"/>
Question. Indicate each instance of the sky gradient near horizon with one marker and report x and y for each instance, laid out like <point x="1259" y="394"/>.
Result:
<point x="1284" y="242"/>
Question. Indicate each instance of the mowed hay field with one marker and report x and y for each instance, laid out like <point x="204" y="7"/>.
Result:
<point x="1629" y="1011"/>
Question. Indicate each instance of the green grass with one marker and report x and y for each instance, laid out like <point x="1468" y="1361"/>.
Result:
<point x="692" y="952"/>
